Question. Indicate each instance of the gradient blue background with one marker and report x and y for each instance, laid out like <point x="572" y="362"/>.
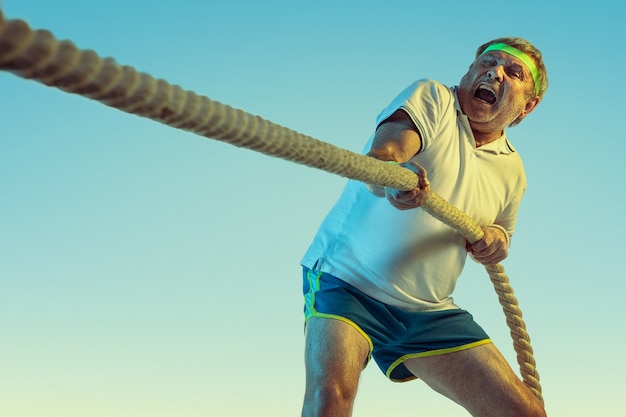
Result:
<point x="149" y="272"/>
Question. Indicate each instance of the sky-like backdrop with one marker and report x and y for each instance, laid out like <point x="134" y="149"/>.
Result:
<point x="149" y="272"/>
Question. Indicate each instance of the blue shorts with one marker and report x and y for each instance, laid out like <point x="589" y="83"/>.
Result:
<point x="394" y="334"/>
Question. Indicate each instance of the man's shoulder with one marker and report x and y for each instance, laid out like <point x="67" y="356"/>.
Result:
<point x="426" y="101"/>
<point x="426" y="92"/>
<point x="435" y="87"/>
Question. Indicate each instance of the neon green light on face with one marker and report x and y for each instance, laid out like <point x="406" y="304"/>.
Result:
<point x="530" y="64"/>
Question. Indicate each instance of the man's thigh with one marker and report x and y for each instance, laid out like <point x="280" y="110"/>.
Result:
<point x="334" y="349"/>
<point x="479" y="379"/>
<point x="335" y="354"/>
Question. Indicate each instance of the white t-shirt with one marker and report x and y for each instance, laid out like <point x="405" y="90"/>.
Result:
<point x="408" y="258"/>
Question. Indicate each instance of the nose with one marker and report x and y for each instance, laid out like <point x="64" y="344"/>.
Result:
<point x="496" y="72"/>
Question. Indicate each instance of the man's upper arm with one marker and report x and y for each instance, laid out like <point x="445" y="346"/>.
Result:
<point x="396" y="139"/>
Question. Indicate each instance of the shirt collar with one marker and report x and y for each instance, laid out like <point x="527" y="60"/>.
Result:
<point x="500" y="145"/>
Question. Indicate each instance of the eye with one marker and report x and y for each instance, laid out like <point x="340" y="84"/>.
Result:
<point x="515" y="72"/>
<point x="488" y="62"/>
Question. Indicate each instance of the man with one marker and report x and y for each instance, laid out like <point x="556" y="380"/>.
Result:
<point x="379" y="273"/>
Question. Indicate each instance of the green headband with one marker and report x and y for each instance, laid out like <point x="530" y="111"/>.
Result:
<point x="530" y="64"/>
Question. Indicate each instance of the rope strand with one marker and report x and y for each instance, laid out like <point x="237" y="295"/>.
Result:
<point x="38" y="55"/>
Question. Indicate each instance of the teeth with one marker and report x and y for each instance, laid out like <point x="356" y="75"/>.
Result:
<point x="486" y="87"/>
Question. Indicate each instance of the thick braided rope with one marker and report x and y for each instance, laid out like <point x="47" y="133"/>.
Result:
<point x="38" y="55"/>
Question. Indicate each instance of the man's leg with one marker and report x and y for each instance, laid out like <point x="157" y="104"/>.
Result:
<point x="479" y="379"/>
<point x="335" y="354"/>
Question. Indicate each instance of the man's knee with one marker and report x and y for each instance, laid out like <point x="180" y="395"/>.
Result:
<point x="334" y="393"/>
<point x="329" y="399"/>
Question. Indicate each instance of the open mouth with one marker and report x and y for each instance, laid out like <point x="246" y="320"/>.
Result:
<point x="485" y="94"/>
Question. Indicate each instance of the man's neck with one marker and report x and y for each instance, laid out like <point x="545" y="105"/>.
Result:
<point x="484" y="138"/>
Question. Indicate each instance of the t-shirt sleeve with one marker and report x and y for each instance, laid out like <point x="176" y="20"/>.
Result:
<point x="425" y="101"/>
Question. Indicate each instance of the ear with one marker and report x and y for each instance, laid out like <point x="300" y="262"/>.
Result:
<point x="530" y="106"/>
